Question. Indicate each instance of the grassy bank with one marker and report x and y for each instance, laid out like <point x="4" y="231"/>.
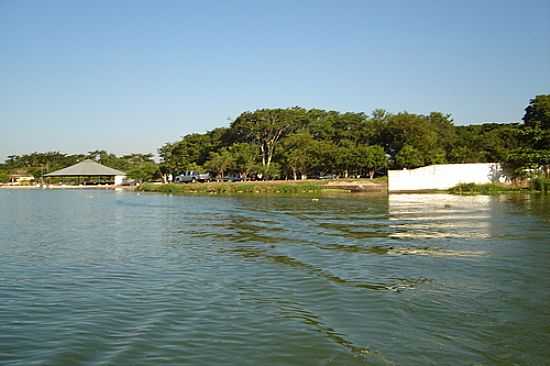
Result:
<point x="538" y="184"/>
<point x="231" y="188"/>
<point x="288" y="187"/>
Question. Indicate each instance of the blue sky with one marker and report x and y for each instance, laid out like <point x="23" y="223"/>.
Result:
<point x="127" y="76"/>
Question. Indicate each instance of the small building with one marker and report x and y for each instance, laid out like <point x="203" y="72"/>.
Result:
<point x="21" y="179"/>
<point x="89" y="172"/>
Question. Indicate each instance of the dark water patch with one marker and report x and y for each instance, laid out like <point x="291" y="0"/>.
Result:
<point x="202" y="234"/>
<point x="365" y="234"/>
<point x="348" y="226"/>
<point x="248" y="237"/>
<point x="408" y="283"/>
<point x="248" y="252"/>
<point x="312" y="320"/>
<point x="247" y="226"/>
<point x="351" y="231"/>
<point x="374" y="249"/>
<point x="241" y="229"/>
<point x="397" y="284"/>
<point x="240" y="219"/>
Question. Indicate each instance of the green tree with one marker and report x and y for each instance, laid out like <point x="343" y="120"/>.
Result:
<point x="320" y="124"/>
<point x="409" y="157"/>
<point x="245" y="159"/>
<point x="465" y="154"/>
<point x="272" y="171"/>
<point x="525" y="162"/>
<point x="266" y="127"/>
<point x="322" y="157"/>
<point x="173" y="159"/>
<point x="297" y="162"/>
<point x="143" y="172"/>
<point x="345" y="158"/>
<point x="296" y="156"/>
<point x="446" y="133"/>
<point x="220" y="162"/>
<point x="4" y="177"/>
<point x="374" y="158"/>
<point x="436" y="156"/>
<point x="409" y="129"/>
<point x="105" y="158"/>
<point x="531" y="157"/>
<point x="538" y="112"/>
<point x="488" y="142"/>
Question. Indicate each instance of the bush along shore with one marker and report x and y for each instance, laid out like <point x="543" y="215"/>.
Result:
<point x="338" y="185"/>
<point x="535" y="185"/>
<point x="288" y="187"/>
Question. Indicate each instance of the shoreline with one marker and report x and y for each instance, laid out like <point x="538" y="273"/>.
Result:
<point x="308" y="187"/>
<point x="276" y="187"/>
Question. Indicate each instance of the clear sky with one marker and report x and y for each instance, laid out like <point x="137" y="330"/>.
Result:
<point x="127" y="76"/>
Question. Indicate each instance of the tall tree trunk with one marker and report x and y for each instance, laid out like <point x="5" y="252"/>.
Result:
<point x="262" y="147"/>
<point x="269" y="157"/>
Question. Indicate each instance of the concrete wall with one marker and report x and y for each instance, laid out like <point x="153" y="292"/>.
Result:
<point x="443" y="176"/>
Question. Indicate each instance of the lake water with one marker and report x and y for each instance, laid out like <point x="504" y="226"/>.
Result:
<point x="119" y="278"/>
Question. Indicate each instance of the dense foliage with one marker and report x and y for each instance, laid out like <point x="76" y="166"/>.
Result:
<point x="296" y="143"/>
<point x="538" y="112"/>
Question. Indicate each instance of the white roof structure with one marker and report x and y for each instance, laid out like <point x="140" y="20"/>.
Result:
<point x="86" y="168"/>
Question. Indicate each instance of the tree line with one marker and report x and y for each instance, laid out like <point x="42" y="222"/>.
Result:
<point x="294" y="143"/>
<point x="140" y="166"/>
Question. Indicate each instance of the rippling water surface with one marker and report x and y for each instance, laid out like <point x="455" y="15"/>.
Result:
<point x="116" y="278"/>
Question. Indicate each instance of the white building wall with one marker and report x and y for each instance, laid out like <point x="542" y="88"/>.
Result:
<point x="119" y="179"/>
<point x="443" y="176"/>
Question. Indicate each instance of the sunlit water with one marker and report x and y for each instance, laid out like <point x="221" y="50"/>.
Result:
<point x="115" y="278"/>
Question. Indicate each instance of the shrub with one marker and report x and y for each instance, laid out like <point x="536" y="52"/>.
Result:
<point x="540" y="184"/>
<point x="490" y="188"/>
<point x="4" y="178"/>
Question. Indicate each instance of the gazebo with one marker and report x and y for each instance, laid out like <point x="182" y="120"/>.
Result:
<point x="88" y="170"/>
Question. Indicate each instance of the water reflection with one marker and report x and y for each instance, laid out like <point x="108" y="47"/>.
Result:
<point x="438" y="216"/>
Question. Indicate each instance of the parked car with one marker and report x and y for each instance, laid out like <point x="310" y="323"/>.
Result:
<point x="325" y="176"/>
<point x="232" y="178"/>
<point x="192" y="177"/>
